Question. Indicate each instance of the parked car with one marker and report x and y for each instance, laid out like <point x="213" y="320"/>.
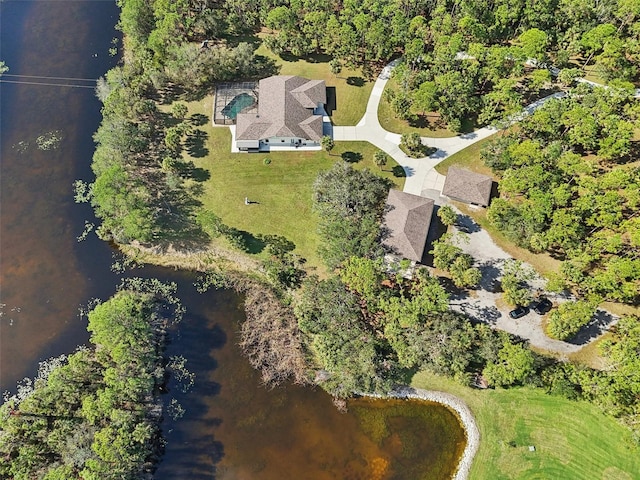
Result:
<point x="542" y="305"/>
<point x="518" y="312"/>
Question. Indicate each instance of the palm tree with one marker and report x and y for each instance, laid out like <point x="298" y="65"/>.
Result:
<point x="327" y="143"/>
<point x="380" y="158"/>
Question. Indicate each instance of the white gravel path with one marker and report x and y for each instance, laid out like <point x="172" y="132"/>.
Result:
<point x="485" y="305"/>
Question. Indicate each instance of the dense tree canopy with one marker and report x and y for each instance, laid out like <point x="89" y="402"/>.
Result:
<point x="366" y="327"/>
<point x="350" y="204"/>
<point x="93" y="414"/>
<point x="571" y="187"/>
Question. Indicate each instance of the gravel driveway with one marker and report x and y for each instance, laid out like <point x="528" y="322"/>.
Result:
<point x="484" y="304"/>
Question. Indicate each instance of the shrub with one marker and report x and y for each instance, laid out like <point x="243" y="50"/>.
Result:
<point x="569" y="318"/>
<point x="411" y="144"/>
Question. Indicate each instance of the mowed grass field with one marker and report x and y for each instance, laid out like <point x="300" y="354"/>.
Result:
<point x="281" y="190"/>
<point x="352" y="90"/>
<point x="572" y="440"/>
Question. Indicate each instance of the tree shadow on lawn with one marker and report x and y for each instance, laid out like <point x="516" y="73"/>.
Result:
<point x="198" y="119"/>
<point x="235" y="40"/>
<point x="189" y="170"/>
<point x="252" y="244"/>
<point x="195" y="144"/>
<point x="351" y="157"/>
<point x="311" y="58"/>
<point x="168" y="120"/>
<point x="399" y="172"/>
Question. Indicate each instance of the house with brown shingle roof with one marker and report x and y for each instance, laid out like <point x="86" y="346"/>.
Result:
<point x="290" y="110"/>
<point x="467" y="186"/>
<point x="406" y="224"/>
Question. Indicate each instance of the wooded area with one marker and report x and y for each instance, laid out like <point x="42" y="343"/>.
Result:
<point x="570" y="185"/>
<point x="367" y="327"/>
<point x="463" y="59"/>
<point x="94" y="414"/>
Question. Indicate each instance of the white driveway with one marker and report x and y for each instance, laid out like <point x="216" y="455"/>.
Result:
<point x="419" y="176"/>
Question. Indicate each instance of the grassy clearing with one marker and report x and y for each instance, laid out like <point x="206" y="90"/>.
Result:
<point x="352" y="90"/>
<point x="621" y="309"/>
<point x="282" y="189"/>
<point x="429" y="125"/>
<point x="573" y="440"/>
<point x="590" y="354"/>
<point x="468" y="158"/>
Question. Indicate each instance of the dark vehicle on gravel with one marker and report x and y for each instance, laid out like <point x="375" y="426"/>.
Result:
<point x="541" y="305"/>
<point x="518" y="312"/>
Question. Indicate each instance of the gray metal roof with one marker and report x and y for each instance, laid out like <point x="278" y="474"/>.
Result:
<point x="285" y="109"/>
<point x="407" y="219"/>
<point x="467" y="186"/>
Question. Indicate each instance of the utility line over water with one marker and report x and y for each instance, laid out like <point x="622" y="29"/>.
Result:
<point x="19" y="80"/>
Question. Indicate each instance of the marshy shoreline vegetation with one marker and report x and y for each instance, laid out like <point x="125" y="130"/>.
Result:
<point x="346" y="323"/>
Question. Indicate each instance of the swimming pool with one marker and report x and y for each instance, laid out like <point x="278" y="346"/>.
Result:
<point x="237" y="104"/>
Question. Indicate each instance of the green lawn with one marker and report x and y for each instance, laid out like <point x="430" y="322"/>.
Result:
<point x="352" y="89"/>
<point x="468" y="158"/>
<point x="573" y="440"/>
<point x="282" y="189"/>
<point x="426" y="126"/>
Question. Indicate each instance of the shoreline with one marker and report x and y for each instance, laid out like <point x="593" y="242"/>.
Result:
<point x="222" y="258"/>
<point x="461" y="410"/>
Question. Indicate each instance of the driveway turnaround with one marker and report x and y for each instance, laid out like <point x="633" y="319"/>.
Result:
<point x="419" y="171"/>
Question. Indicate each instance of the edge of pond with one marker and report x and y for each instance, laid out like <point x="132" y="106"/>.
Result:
<point x="201" y="260"/>
<point x="462" y="411"/>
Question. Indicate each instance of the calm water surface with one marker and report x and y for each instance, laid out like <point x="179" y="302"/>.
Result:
<point x="233" y="428"/>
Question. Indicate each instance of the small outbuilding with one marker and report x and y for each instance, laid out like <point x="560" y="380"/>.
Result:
<point x="467" y="186"/>
<point x="406" y="224"/>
